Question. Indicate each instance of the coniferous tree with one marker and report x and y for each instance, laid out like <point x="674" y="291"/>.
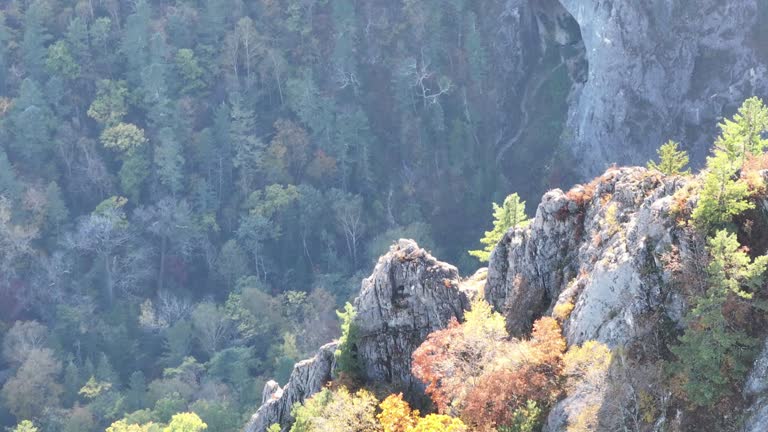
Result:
<point x="509" y="215"/>
<point x="713" y="355"/>
<point x="671" y="160"/>
<point x="743" y="135"/>
<point x="35" y="37"/>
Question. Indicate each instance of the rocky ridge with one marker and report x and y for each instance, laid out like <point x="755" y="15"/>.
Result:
<point x="409" y="295"/>
<point x="613" y="249"/>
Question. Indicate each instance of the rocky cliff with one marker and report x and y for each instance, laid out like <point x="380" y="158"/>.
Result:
<point x="409" y="295"/>
<point x="639" y="73"/>
<point x="614" y="250"/>
<point x="660" y="70"/>
<point x="600" y="246"/>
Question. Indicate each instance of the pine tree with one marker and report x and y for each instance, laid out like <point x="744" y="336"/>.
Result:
<point x="510" y="215"/>
<point x="671" y="160"/>
<point x="744" y="134"/>
<point x="135" y="43"/>
<point x="170" y="161"/>
<point x="713" y="355"/>
<point x="722" y="196"/>
<point x="35" y="37"/>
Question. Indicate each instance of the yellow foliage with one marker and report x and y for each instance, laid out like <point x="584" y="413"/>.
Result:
<point x="648" y="407"/>
<point x="587" y="364"/>
<point x="586" y="419"/>
<point x="586" y="368"/>
<point x="396" y="415"/>
<point x="122" y="426"/>
<point x="563" y="310"/>
<point x="439" y="423"/>
<point x="481" y="320"/>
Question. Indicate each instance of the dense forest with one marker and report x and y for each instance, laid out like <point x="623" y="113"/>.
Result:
<point x="189" y="189"/>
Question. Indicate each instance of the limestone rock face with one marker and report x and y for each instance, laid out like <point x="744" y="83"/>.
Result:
<point x="611" y="249"/>
<point x="308" y="377"/>
<point x="600" y="246"/>
<point x="660" y="70"/>
<point x="409" y="295"/>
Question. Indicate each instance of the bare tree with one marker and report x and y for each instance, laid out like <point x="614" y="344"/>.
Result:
<point x="102" y="234"/>
<point x="213" y="326"/>
<point x="349" y="213"/>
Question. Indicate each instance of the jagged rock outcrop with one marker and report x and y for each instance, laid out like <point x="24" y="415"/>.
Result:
<point x="660" y="70"/>
<point x="756" y="388"/>
<point x="409" y="295"/>
<point x="307" y="378"/>
<point x="610" y="248"/>
<point x="600" y="246"/>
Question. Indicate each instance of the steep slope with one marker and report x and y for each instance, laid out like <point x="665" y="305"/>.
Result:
<point x="409" y="295"/>
<point x="660" y="69"/>
<point x="600" y="246"/>
<point x="612" y="253"/>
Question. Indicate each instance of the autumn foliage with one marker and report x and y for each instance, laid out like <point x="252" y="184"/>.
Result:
<point x="473" y="370"/>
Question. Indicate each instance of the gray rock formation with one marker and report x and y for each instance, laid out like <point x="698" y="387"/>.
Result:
<point x="756" y="388"/>
<point x="660" y="70"/>
<point x="609" y="248"/>
<point x="409" y="295"/>
<point x="599" y="246"/>
<point x="307" y="378"/>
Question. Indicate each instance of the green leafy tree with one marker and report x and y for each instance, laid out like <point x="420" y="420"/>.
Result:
<point x="219" y="416"/>
<point x="30" y="123"/>
<point x="713" y="355"/>
<point x="60" y="61"/>
<point x="34" y="386"/>
<point x="189" y="70"/>
<point x="671" y="160"/>
<point x="525" y="419"/>
<point x="124" y="137"/>
<point x="346" y="353"/>
<point x="509" y="215"/>
<point x="185" y="422"/>
<point x="133" y="173"/>
<point x="110" y="105"/>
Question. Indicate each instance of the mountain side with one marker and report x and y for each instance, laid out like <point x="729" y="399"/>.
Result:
<point x="659" y="70"/>
<point x="409" y="295"/>
<point x="614" y="260"/>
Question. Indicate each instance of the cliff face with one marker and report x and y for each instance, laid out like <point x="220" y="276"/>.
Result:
<point x="660" y="70"/>
<point x="307" y="378"/>
<point x="409" y="295"/>
<point x="614" y="249"/>
<point x="600" y="246"/>
<point x="639" y="73"/>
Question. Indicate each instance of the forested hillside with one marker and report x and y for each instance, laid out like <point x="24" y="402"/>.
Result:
<point x="190" y="188"/>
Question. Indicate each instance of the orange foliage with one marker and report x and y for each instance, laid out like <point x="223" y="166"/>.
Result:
<point x="433" y="364"/>
<point x="485" y="377"/>
<point x="582" y="194"/>
<point x="536" y="376"/>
